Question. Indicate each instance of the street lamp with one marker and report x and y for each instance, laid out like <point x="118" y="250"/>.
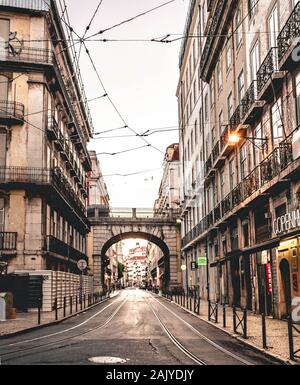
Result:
<point x="234" y="139"/>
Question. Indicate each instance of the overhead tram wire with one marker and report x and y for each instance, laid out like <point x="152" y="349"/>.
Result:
<point x="112" y="103"/>
<point x="124" y="151"/>
<point x="130" y="19"/>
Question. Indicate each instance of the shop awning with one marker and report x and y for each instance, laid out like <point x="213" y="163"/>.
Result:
<point x="262" y="246"/>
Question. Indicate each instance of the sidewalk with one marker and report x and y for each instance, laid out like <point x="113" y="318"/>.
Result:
<point x="277" y="331"/>
<point x="30" y="320"/>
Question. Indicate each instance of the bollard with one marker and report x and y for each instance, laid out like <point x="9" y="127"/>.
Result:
<point x="84" y="299"/>
<point x="224" y="316"/>
<point x="65" y="305"/>
<point x="39" y="312"/>
<point x="291" y="338"/>
<point x="81" y="302"/>
<point x="217" y="312"/>
<point x="56" y="309"/>
<point x="234" y="318"/>
<point x="245" y="335"/>
<point x="191" y="301"/>
<point x="209" y="316"/>
<point x="264" y="331"/>
<point x="76" y="304"/>
<point x="71" y="305"/>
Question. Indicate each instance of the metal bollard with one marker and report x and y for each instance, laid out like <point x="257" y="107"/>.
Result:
<point x="209" y="316"/>
<point x="264" y="331"/>
<point x="84" y="299"/>
<point x="76" y="304"/>
<point x="39" y="312"/>
<point x="291" y="338"/>
<point x="217" y="312"/>
<point x="224" y="316"/>
<point x="71" y="305"/>
<point x="245" y="324"/>
<point x="81" y="302"/>
<point x="234" y="318"/>
<point x="65" y="305"/>
<point x="56" y="309"/>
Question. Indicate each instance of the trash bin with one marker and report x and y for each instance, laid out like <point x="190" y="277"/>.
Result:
<point x="6" y="306"/>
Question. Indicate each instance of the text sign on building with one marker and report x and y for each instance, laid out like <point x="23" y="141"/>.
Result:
<point x="202" y="261"/>
<point x="269" y="278"/>
<point x="194" y="265"/>
<point x="286" y="222"/>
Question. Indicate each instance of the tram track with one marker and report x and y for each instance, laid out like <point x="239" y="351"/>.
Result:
<point x="68" y="338"/>
<point x="203" y="337"/>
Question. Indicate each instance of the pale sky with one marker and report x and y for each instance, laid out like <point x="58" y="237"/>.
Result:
<point x="141" y="78"/>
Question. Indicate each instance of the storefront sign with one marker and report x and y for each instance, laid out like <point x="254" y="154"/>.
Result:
<point x="295" y="282"/>
<point x="286" y="222"/>
<point x="194" y="266"/>
<point x="269" y="278"/>
<point x="202" y="261"/>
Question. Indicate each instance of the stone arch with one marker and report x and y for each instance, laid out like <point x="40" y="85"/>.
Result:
<point x="140" y="235"/>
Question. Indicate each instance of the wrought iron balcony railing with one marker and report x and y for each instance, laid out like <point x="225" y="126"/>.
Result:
<point x="290" y="34"/>
<point x="248" y="101"/>
<point x="269" y="169"/>
<point x="236" y="118"/>
<point x="54" y="245"/>
<point x="11" y="112"/>
<point x="8" y="241"/>
<point x="23" y="54"/>
<point x="41" y="176"/>
<point x="267" y="69"/>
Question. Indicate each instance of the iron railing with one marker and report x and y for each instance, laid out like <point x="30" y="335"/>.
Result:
<point x="11" y="110"/>
<point x="43" y="176"/>
<point x="248" y="100"/>
<point x="8" y="241"/>
<point x="26" y="55"/>
<point x="269" y="168"/>
<point x="267" y="69"/>
<point x="54" y="245"/>
<point x="290" y="33"/>
<point x="236" y="118"/>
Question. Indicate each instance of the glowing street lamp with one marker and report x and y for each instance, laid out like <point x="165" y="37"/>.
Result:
<point x="234" y="139"/>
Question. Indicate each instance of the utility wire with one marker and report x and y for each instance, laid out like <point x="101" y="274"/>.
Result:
<point x="129" y="20"/>
<point x="123" y="152"/>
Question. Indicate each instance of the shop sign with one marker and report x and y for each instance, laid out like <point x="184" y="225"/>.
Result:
<point x="269" y="278"/>
<point x="286" y="222"/>
<point x="295" y="282"/>
<point x="202" y="261"/>
<point x="194" y="266"/>
<point x="264" y="257"/>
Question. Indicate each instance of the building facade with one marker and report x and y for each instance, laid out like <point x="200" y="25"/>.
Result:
<point x="238" y="98"/>
<point x="45" y="126"/>
<point x="136" y="266"/>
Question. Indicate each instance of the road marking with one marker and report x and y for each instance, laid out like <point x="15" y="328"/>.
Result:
<point x="203" y="337"/>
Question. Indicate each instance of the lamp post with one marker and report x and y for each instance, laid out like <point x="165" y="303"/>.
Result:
<point x="234" y="139"/>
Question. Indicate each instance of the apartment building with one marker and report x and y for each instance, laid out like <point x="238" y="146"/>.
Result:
<point x="238" y="97"/>
<point x="45" y="126"/>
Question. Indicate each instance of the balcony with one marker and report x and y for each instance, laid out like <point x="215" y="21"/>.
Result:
<point x="11" y="113"/>
<point x="288" y="42"/>
<point x="26" y="55"/>
<point x="40" y="177"/>
<point x="52" y="128"/>
<point x="8" y="242"/>
<point x="263" y="174"/>
<point x="59" y="248"/>
<point x="251" y="107"/>
<point x="269" y="78"/>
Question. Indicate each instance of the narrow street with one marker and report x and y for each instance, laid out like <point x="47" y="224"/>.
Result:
<point x="136" y="327"/>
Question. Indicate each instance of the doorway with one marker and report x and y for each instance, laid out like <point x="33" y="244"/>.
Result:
<point x="286" y="282"/>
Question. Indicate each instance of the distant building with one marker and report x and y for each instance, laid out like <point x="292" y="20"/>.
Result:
<point x="136" y="266"/>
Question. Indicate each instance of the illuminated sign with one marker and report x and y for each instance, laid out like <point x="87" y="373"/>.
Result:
<point x="202" y="261"/>
<point x="269" y="278"/>
<point x="286" y="222"/>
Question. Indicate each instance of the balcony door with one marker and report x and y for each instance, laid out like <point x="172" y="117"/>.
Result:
<point x="4" y="35"/>
<point x="3" y="90"/>
<point x="1" y="215"/>
<point x="273" y="25"/>
<point x="3" y="139"/>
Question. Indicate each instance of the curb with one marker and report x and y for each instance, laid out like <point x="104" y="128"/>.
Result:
<point x="53" y="323"/>
<point x="237" y="337"/>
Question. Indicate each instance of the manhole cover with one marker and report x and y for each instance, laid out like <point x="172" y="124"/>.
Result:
<point x="107" y="360"/>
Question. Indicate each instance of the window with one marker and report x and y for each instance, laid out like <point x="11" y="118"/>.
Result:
<point x="219" y="76"/>
<point x="228" y="56"/>
<point x="206" y="107"/>
<point x="212" y="93"/>
<point x="277" y="125"/>
<point x="2" y="147"/>
<point x="213" y="137"/>
<point x="230" y="106"/>
<point x="243" y="159"/>
<point x="221" y="122"/>
<point x="1" y="214"/>
<point x="252" y="5"/>
<point x="273" y="27"/>
<point x="232" y="174"/>
<point x="254" y="60"/>
<point x="239" y="28"/>
<point x="257" y="145"/>
<point x="297" y="81"/>
<point x="4" y="33"/>
<point x="222" y="182"/>
<point x="196" y="132"/>
<point x="241" y="86"/>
